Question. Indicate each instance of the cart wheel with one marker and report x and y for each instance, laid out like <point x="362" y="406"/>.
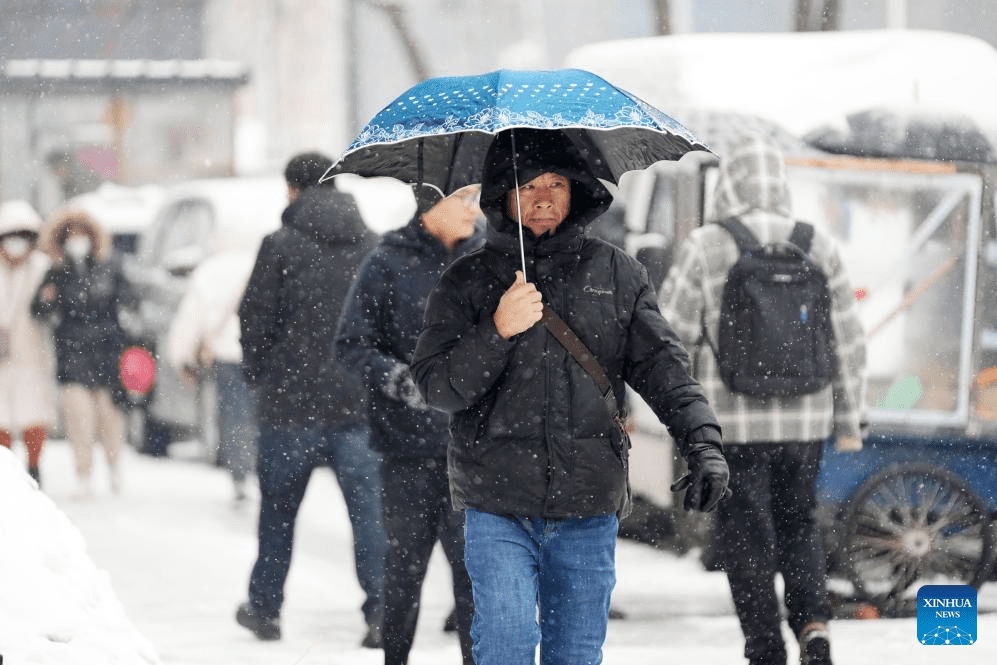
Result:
<point x="915" y="523"/>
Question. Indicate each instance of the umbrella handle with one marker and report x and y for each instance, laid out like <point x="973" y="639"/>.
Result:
<point x="519" y="209"/>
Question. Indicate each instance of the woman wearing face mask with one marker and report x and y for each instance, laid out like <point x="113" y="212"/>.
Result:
<point x="26" y="399"/>
<point x="81" y="297"/>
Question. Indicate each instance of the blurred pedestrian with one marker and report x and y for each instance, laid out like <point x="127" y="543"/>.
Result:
<point x="83" y="296"/>
<point x="203" y="340"/>
<point x="377" y="335"/>
<point x="539" y="457"/>
<point x="773" y="444"/>
<point x="27" y="401"/>
<point x="312" y="412"/>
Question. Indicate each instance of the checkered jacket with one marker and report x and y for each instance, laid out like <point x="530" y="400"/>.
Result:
<point x="690" y="301"/>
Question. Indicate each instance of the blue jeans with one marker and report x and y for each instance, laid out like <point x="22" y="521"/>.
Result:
<point x="237" y="425"/>
<point x="287" y="456"/>
<point x="561" y="570"/>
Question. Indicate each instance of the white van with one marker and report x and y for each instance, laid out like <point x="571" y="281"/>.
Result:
<point x="197" y="219"/>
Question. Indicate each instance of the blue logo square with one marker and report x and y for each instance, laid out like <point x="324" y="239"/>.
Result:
<point x="946" y="614"/>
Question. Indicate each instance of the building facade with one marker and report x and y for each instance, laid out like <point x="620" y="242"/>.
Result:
<point x="306" y="74"/>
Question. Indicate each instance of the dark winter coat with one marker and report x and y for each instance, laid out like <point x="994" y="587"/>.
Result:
<point x="379" y="328"/>
<point x="89" y="297"/>
<point x="531" y="433"/>
<point x="292" y="303"/>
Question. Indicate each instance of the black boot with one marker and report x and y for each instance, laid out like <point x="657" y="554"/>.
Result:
<point x="815" y="647"/>
<point x="264" y="628"/>
<point x="34" y="473"/>
<point x="374" y="639"/>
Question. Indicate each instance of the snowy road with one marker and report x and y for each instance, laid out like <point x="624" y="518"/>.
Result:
<point x="178" y="554"/>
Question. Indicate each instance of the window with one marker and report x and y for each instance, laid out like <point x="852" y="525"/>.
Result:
<point x="904" y="239"/>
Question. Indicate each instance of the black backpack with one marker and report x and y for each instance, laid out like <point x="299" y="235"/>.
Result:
<point x="776" y="338"/>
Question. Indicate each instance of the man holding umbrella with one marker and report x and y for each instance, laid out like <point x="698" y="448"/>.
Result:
<point x="539" y="459"/>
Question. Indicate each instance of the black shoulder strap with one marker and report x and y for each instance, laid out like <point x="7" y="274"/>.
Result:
<point x="802" y="236"/>
<point x="745" y="239"/>
<point x="576" y="347"/>
<point x="569" y="340"/>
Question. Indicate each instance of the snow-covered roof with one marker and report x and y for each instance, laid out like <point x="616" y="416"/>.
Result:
<point x="804" y="80"/>
<point x="33" y="72"/>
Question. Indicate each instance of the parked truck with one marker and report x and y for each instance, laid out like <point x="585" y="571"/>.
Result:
<point x="912" y="206"/>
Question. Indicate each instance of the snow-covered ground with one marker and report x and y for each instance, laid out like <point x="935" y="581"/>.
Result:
<point x="153" y="576"/>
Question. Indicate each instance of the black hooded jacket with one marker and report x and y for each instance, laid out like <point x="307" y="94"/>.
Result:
<point x="531" y="433"/>
<point x="86" y="309"/>
<point x="292" y="303"/>
<point x="378" y="330"/>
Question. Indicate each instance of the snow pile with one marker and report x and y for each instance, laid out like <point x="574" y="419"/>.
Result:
<point x="55" y="605"/>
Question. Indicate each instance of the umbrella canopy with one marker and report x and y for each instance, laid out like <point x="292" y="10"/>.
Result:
<point x="438" y="131"/>
<point x="884" y="132"/>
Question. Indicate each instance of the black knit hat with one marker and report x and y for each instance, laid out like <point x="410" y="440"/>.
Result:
<point x="304" y="170"/>
<point x="426" y="196"/>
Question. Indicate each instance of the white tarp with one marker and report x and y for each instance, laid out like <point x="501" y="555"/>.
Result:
<point x="804" y="80"/>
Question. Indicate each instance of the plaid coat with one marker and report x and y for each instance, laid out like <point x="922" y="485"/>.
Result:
<point x="752" y="185"/>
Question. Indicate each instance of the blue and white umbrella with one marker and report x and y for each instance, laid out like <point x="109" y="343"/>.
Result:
<point x="437" y="132"/>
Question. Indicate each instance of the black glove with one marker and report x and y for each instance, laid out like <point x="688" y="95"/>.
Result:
<point x="400" y="386"/>
<point x="706" y="482"/>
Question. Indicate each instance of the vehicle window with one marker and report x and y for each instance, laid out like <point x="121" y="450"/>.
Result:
<point x="904" y="239"/>
<point x="986" y="366"/>
<point x="125" y="243"/>
<point x="186" y="225"/>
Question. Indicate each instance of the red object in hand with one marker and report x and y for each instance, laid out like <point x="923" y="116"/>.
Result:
<point x="138" y="370"/>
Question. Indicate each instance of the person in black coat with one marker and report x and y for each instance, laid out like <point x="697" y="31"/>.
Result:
<point x="377" y="334"/>
<point x="84" y="296"/>
<point x="312" y="411"/>
<point x="537" y="462"/>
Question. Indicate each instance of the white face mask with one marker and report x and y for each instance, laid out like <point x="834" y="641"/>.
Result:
<point x="77" y="246"/>
<point x="16" y="247"/>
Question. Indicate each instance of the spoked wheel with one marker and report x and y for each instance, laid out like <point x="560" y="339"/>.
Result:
<point x="913" y="525"/>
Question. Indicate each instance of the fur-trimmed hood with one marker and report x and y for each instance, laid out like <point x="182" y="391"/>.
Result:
<point x="56" y="229"/>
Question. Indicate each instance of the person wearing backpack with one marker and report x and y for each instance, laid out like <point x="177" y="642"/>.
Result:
<point x="776" y="419"/>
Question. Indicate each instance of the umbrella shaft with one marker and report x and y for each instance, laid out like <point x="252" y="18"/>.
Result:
<point x="519" y="209"/>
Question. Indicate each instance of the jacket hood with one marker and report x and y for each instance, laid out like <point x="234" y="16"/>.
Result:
<point x="411" y="236"/>
<point x="57" y="228"/>
<point x="752" y="177"/>
<point x="328" y="215"/>
<point x="538" y="151"/>
<point x="18" y="217"/>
